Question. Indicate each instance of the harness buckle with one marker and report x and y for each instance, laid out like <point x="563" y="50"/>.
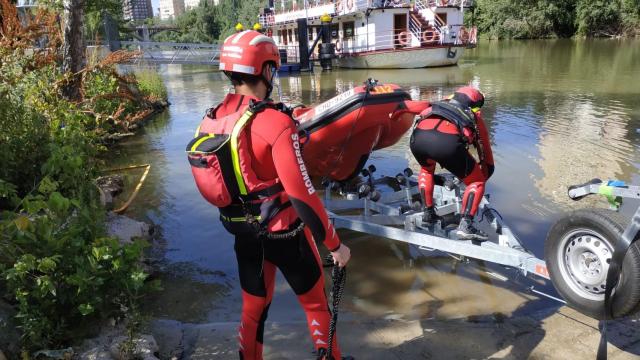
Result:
<point x="257" y="106"/>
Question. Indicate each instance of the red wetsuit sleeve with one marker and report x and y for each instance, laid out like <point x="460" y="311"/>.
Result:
<point x="486" y="144"/>
<point x="296" y="181"/>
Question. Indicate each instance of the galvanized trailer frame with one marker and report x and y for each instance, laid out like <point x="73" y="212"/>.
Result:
<point x="383" y="214"/>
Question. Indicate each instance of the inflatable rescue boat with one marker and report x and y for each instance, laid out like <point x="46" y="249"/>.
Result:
<point x="344" y="130"/>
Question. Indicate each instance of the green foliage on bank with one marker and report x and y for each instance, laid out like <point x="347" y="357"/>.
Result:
<point x="58" y="267"/>
<point x="530" y="19"/>
<point x="210" y="23"/>
<point x="151" y="84"/>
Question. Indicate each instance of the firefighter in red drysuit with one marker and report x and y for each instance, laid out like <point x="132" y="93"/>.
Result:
<point x="274" y="174"/>
<point x="443" y="135"/>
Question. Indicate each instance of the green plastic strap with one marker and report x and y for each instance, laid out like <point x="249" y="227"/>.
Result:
<point x="607" y="191"/>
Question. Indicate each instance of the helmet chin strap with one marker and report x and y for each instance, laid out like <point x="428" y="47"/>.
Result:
<point x="269" y="82"/>
<point x="276" y="82"/>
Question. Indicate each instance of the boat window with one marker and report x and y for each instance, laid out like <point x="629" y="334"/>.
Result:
<point x="348" y="29"/>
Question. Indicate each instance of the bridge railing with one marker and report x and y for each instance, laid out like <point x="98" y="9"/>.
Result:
<point x="154" y="44"/>
<point x="174" y="53"/>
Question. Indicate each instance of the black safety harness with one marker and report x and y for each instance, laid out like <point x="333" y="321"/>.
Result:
<point x="243" y="210"/>
<point x="461" y="116"/>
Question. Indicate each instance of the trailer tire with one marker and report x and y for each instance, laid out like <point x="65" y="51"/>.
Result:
<point x="592" y="234"/>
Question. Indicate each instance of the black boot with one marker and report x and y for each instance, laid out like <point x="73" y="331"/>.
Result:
<point x="430" y="217"/>
<point x="467" y="231"/>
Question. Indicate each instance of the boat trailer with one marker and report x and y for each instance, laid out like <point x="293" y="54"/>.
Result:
<point x="397" y="215"/>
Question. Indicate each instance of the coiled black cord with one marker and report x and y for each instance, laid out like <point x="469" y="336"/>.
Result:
<point x="339" y="278"/>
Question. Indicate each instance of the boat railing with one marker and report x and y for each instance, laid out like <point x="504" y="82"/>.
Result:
<point x="394" y="39"/>
<point x="397" y="39"/>
<point x="266" y="20"/>
<point x="378" y="4"/>
<point x="461" y="34"/>
<point x="290" y="10"/>
<point x="415" y="27"/>
<point x="451" y="3"/>
<point x="293" y="53"/>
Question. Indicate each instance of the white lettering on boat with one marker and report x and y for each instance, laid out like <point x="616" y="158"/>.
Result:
<point x="303" y="168"/>
<point x="333" y="102"/>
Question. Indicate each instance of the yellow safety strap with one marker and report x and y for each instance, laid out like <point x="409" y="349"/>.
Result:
<point x="475" y="109"/>
<point x="235" y="155"/>
<point x="200" y="141"/>
<point x="197" y="132"/>
<point x="239" y="219"/>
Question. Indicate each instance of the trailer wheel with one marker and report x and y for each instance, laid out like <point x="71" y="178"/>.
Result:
<point x="578" y="250"/>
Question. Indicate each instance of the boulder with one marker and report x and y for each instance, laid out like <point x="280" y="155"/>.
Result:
<point x="170" y="336"/>
<point x="126" y="229"/>
<point x="98" y="353"/>
<point x="144" y="346"/>
<point x="110" y="187"/>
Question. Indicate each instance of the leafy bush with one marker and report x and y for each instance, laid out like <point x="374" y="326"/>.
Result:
<point x="65" y="273"/>
<point x="56" y="263"/>
<point x="24" y="135"/>
<point x="151" y="84"/>
<point x="562" y="18"/>
<point x="598" y="17"/>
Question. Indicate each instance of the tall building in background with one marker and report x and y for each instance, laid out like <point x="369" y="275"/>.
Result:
<point x="190" y="4"/>
<point x="171" y="8"/>
<point x="134" y="10"/>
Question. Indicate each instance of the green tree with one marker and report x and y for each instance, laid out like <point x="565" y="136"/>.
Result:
<point x="557" y="18"/>
<point x="249" y="11"/>
<point x="226" y="15"/>
<point x="631" y="17"/>
<point x="198" y="25"/>
<point x="94" y="16"/>
<point x="210" y="23"/>
<point x="597" y="18"/>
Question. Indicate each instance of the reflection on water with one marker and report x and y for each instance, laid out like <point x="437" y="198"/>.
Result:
<point x="583" y="140"/>
<point x="559" y="112"/>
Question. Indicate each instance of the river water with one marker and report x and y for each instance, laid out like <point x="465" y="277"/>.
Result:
<point x="559" y="112"/>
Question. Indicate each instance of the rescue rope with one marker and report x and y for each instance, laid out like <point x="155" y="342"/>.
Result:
<point x="339" y="278"/>
<point x="262" y="231"/>
<point x="133" y="195"/>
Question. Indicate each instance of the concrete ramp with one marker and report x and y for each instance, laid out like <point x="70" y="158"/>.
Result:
<point x="550" y="334"/>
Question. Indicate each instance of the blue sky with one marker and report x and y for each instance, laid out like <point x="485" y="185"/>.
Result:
<point x="156" y="5"/>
